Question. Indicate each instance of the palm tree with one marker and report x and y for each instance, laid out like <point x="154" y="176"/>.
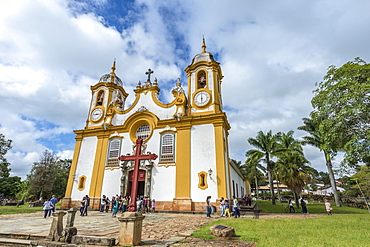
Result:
<point x="254" y="170"/>
<point x="293" y="171"/>
<point x="293" y="152"/>
<point x="317" y="139"/>
<point x="267" y="147"/>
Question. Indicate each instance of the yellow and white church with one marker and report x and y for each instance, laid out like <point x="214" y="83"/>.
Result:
<point x="189" y="135"/>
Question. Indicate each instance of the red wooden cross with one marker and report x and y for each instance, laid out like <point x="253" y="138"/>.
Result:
<point x="137" y="157"/>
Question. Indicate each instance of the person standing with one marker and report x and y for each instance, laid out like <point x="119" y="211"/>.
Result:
<point x="153" y="206"/>
<point x="222" y="206"/>
<point x="328" y="207"/>
<point x="87" y="204"/>
<point x="54" y="201"/>
<point x="48" y="205"/>
<point x="124" y="204"/>
<point x="208" y="207"/>
<point x="115" y="206"/>
<point x="107" y="202"/>
<point x="102" y="204"/>
<point x="138" y="204"/>
<point x="304" y="206"/>
<point x="291" y="208"/>
<point x="82" y="206"/>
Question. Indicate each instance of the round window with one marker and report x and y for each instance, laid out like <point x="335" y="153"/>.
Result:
<point x="143" y="131"/>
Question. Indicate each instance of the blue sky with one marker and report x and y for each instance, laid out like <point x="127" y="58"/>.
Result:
<point x="271" y="53"/>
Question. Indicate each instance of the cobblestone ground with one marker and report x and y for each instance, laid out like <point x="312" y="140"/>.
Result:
<point x="158" y="229"/>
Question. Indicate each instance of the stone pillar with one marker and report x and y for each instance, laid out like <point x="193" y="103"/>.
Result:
<point x="71" y="217"/>
<point x="130" y="229"/>
<point x="56" y="228"/>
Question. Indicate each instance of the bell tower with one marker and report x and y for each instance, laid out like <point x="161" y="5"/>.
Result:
<point x="108" y="97"/>
<point x="204" y="84"/>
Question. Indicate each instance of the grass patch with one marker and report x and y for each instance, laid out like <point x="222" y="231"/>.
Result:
<point x="313" y="208"/>
<point x="22" y="209"/>
<point x="335" y="230"/>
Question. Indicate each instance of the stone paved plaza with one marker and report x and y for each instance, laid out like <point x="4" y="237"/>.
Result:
<point x="158" y="229"/>
<point x="161" y="229"/>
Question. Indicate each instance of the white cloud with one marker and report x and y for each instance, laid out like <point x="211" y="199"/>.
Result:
<point x="271" y="54"/>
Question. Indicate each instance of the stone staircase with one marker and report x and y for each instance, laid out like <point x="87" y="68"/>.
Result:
<point x="8" y="239"/>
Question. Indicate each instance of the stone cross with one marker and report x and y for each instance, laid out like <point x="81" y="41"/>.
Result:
<point x="136" y="158"/>
<point x="148" y="73"/>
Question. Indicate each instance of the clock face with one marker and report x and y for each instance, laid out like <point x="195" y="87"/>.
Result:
<point x="201" y="98"/>
<point x="96" y="114"/>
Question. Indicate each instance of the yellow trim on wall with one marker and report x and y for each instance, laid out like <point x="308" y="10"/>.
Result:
<point x="96" y="182"/>
<point x="73" y="168"/>
<point x="183" y="162"/>
<point x="138" y="119"/>
<point x="220" y="161"/>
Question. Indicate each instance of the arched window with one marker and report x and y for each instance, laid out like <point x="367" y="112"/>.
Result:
<point x="81" y="183"/>
<point x="202" y="79"/>
<point x="143" y="131"/>
<point x="167" y="152"/>
<point x="203" y="184"/>
<point x="113" y="152"/>
<point x="100" y="99"/>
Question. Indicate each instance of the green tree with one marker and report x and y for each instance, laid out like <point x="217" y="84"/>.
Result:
<point x="5" y="146"/>
<point x="317" y="139"/>
<point x="61" y="177"/>
<point x="361" y="180"/>
<point x="323" y="177"/>
<point x="42" y="175"/>
<point x="267" y="147"/>
<point x="23" y="190"/>
<point x="294" y="172"/>
<point x="343" y="96"/>
<point x="254" y="171"/>
<point x="9" y="186"/>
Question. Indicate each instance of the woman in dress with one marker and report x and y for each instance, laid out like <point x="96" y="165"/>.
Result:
<point x="115" y="207"/>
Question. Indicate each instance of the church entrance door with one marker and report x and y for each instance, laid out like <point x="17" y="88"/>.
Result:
<point x="141" y="187"/>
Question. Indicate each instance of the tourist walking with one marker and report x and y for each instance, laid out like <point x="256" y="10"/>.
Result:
<point x="208" y="207"/>
<point x="227" y="208"/>
<point x="328" y="207"/>
<point x="115" y="206"/>
<point x="236" y="207"/>
<point x="54" y="201"/>
<point x="47" y="207"/>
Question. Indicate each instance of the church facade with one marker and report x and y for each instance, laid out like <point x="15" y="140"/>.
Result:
<point x="189" y="135"/>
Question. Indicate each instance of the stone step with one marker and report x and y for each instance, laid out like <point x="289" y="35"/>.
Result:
<point x="14" y="242"/>
<point x="21" y="236"/>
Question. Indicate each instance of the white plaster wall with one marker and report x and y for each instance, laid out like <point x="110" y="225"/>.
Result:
<point x="237" y="180"/>
<point x="84" y="167"/>
<point x="163" y="183"/>
<point x="111" y="182"/>
<point x="203" y="157"/>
